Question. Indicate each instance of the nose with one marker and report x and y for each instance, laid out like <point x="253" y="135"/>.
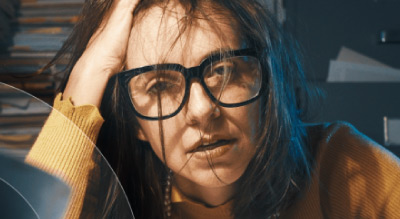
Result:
<point x="200" y="109"/>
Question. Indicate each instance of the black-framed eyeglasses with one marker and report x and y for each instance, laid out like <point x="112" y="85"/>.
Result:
<point x="230" y="79"/>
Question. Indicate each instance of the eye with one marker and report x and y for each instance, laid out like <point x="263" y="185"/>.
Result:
<point x="164" y="84"/>
<point x="160" y="87"/>
<point x="222" y="68"/>
<point x="219" y="73"/>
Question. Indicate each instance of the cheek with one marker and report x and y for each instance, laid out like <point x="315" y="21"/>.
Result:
<point x="171" y="134"/>
<point x="246" y="118"/>
<point x="149" y="131"/>
<point x="254" y="120"/>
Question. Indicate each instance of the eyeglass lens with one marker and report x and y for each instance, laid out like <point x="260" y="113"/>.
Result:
<point x="230" y="80"/>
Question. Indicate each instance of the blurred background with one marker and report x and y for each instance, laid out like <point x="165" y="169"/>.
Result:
<point x="31" y="32"/>
<point x="351" y="49"/>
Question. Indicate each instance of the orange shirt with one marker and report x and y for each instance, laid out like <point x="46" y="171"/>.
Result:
<point x="353" y="177"/>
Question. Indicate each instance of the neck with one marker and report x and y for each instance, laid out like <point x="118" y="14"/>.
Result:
<point x="213" y="197"/>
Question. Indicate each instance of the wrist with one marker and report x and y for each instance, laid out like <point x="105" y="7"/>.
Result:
<point x="86" y="88"/>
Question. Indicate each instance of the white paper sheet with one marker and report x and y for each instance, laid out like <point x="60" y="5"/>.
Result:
<point x="352" y="72"/>
<point x="351" y="66"/>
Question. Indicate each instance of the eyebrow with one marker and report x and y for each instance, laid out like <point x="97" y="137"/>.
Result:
<point x="218" y="52"/>
<point x="213" y="53"/>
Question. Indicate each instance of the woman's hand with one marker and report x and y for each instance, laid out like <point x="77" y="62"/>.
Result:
<point x="104" y="56"/>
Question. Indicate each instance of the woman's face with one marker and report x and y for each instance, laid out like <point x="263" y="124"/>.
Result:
<point x="153" y="40"/>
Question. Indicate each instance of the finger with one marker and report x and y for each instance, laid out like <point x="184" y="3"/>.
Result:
<point x="117" y="20"/>
<point x="121" y="11"/>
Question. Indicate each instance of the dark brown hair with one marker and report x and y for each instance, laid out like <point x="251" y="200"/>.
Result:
<point x="281" y="166"/>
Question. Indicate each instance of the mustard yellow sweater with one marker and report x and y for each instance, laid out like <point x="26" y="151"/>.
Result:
<point x="353" y="176"/>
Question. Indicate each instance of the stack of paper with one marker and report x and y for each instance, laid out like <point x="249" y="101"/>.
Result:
<point x="351" y="66"/>
<point x="39" y="30"/>
<point x="21" y="119"/>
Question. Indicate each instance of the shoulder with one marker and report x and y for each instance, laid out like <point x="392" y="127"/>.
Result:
<point x="341" y="145"/>
<point x="341" y="140"/>
<point x="356" y="175"/>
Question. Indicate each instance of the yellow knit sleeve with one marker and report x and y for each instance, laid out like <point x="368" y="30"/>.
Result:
<point x="65" y="145"/>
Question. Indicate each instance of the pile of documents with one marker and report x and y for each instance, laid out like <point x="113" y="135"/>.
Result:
<point x="21" y="119"/>
<point x="38" y="32"/>
<point x="351" y="66"/>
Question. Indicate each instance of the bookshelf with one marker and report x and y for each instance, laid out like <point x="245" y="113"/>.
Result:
<point x="31" y="33"/>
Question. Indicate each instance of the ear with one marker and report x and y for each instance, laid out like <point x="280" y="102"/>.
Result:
<point x="140" y="135"/>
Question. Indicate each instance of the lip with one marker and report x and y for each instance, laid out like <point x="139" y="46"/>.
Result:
<point x="207" y="140"/>
<point x="213" y="147"/>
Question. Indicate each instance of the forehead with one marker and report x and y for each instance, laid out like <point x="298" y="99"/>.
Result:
<point x="166" y="36"/>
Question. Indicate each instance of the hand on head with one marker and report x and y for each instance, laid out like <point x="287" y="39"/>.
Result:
<point x="103" y="56"/>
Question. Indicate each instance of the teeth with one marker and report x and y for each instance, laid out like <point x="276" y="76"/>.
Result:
<point x="214" y="144"/>
<point x="210" y="143"/>
<point x="211" y="146"/>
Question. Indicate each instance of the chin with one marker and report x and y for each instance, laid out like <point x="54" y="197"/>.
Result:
<point x="216" y="179"/>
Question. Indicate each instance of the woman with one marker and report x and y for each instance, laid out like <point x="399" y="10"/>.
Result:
<point x="204" y="120"/>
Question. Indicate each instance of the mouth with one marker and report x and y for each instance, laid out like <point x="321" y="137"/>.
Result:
<point x="212" y="146"/>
